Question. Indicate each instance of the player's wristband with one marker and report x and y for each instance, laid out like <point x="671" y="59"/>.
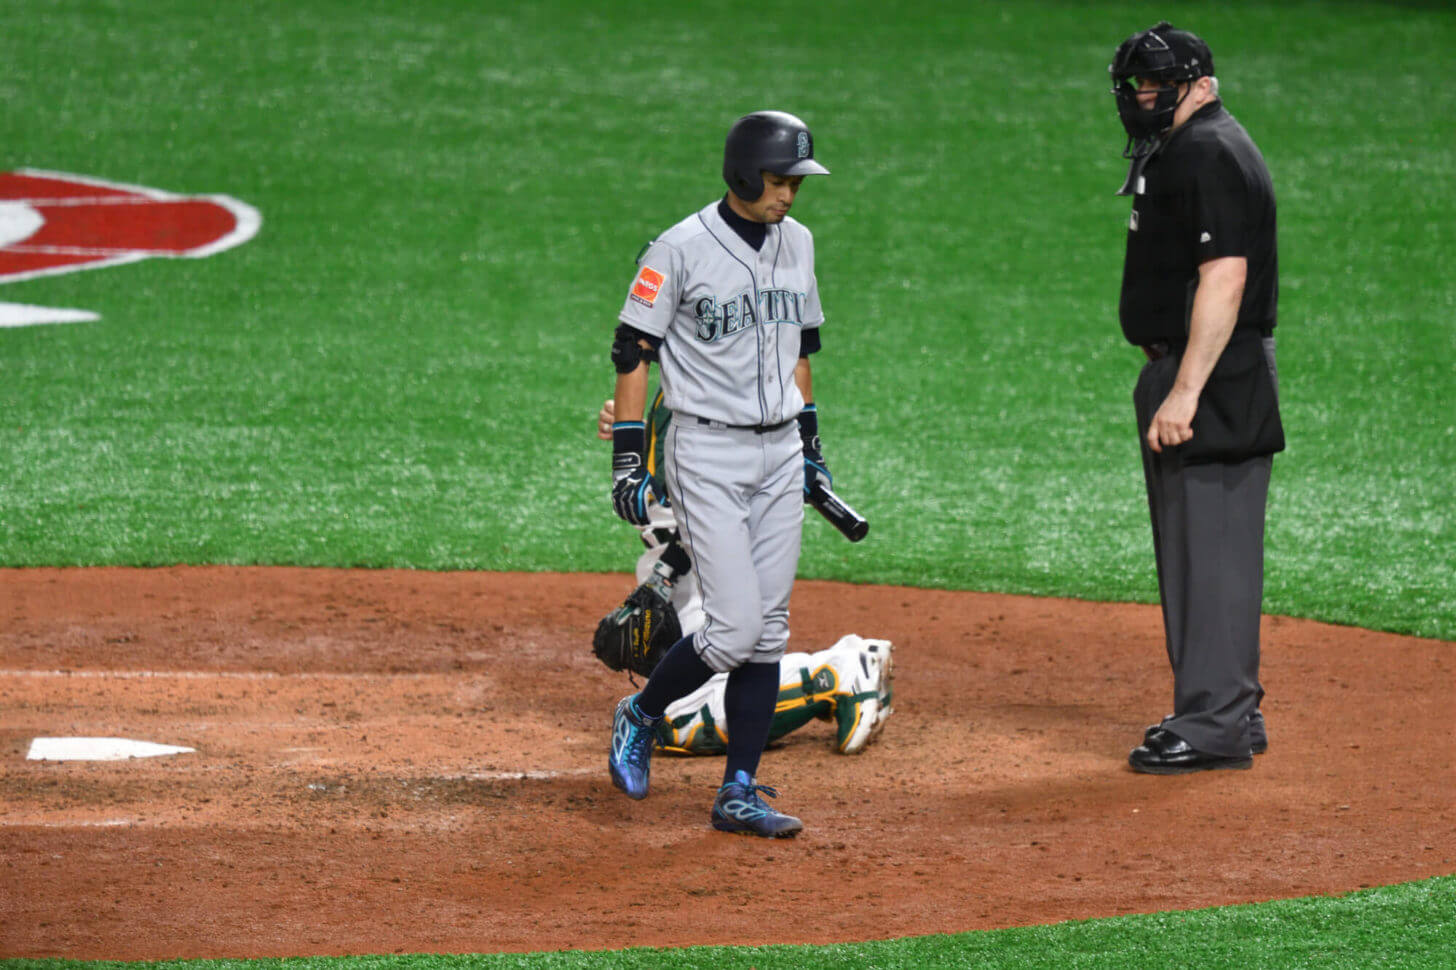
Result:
<point x="629" y="436"/>
<point x="809" y="424"/>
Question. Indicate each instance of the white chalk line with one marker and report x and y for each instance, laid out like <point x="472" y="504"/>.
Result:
<point x="39" y="250"/>
<point x="519" y="775"/>
<point x="73" y="201"/>
<point x="102" y="824"/>
<point x="222" y="674"/>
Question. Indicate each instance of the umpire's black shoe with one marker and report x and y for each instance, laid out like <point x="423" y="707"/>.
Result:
<point x="1258" y="737"/>
<point x="1164" y="753"/>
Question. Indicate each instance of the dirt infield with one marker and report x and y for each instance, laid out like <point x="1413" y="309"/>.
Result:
<point x="414" y="762"/>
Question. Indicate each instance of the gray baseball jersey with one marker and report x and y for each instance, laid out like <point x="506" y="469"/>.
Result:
<point x="729" y="317"/>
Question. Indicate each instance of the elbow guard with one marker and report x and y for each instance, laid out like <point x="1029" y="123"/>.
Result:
<point x="627" y="349"/>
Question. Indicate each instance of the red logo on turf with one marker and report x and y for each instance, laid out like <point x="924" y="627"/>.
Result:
<point x="51" y="222"/>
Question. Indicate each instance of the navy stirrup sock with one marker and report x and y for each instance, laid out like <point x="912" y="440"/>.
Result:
<point x="753" y="689"/>
<point x="680" y="672"/>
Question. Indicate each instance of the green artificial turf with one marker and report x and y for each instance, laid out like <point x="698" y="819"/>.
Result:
<point x="1407" y="927"/>
<point x="402" y="368"/>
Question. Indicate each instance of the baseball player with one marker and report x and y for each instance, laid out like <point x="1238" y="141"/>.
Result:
<point x="848" y="684"/>
<point x="727" y="303"/>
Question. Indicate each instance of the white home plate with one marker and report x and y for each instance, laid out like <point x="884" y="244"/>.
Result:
<point x="97" y="749"/>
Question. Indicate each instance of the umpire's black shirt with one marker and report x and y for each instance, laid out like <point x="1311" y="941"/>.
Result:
<point x="1205" y="194"/>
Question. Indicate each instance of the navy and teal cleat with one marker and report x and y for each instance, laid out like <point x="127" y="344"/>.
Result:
<point x="630" y="760"/>
<point x="739" y="809"/>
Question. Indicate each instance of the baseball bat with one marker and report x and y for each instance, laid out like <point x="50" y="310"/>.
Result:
<point x="837" y="511"/>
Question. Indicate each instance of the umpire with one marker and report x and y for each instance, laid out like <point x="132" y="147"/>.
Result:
<point x="1199" y="291"/>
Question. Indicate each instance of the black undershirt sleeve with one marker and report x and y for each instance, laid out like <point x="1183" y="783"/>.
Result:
<point x="809" y="341"/>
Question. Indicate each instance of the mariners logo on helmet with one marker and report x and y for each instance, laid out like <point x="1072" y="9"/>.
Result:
<point x="767" y="141"/>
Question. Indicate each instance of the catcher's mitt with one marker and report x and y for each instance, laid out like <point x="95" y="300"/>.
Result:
<point x="636" y="634"/>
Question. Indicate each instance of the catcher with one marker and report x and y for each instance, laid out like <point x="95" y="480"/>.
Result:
<point x="848" y="684"/>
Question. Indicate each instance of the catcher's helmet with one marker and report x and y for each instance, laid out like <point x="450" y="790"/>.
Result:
<point x="767" y="141"/>
<point x="1161" y="53"/>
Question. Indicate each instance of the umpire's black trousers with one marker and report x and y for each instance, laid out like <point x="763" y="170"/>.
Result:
<point x="1208" y="536"/>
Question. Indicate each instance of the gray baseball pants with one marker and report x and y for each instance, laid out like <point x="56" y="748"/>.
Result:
<point x="738" y="497"/>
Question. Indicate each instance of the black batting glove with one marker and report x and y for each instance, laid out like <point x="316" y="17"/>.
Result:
<point x="631" y="485"/>
<point x="815" y="468"/>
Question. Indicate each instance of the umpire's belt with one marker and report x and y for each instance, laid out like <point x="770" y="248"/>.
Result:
<point x="755" y="428"/>
<point x="1159" y="349"/>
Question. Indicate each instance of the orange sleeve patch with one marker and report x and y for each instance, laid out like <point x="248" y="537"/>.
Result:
<point x="647" y="285"/>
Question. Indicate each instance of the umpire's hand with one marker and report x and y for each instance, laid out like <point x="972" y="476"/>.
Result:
<point x="1173" y="423"/>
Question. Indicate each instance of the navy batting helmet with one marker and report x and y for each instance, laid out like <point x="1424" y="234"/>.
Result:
<point x="767" y="141"/>
<point x="1161" y="53"/>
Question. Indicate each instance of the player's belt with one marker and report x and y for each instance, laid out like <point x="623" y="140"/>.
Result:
<point x="755" y="428"/>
